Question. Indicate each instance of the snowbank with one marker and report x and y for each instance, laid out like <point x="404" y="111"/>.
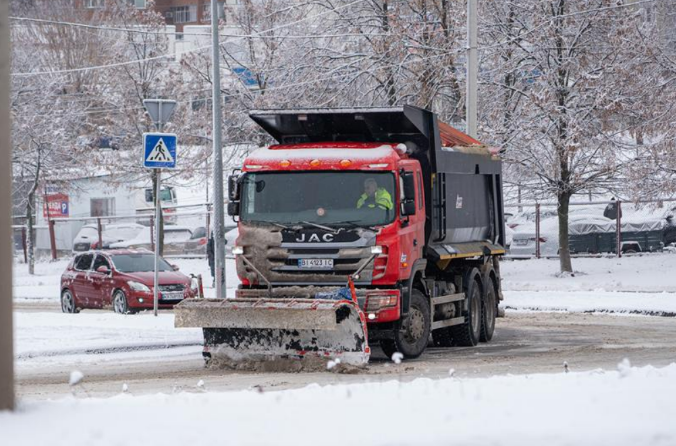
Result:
<point x="48" y="334"/>
<point x="626" y="407"/>
<point x="637" y="273"/>
<point x="651" y="304"/>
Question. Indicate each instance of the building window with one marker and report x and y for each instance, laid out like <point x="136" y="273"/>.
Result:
<point x="94" y="3"/>
<point x="102" y="207"/>
<point x="184" y="14"/>
<point x="139" y="4"/>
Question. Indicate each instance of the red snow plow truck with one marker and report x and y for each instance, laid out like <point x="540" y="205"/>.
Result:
<point x="360" y="226"/>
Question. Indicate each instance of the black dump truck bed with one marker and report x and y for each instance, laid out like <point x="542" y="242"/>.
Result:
<point x="463" y="178"/>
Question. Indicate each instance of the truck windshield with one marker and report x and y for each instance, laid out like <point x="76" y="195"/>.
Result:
<point x="350" y="198"/>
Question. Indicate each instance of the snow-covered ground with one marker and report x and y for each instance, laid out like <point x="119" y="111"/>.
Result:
<point x="48" y="334"/>
<point x="632" y="284"/>
<point x="629" y="406"/>
<point x="636" y="273"/>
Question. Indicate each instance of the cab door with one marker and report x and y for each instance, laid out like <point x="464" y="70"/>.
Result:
<point x="412" y="232"/>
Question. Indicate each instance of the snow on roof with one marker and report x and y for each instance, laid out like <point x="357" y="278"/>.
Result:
<point x="350" y="151"/>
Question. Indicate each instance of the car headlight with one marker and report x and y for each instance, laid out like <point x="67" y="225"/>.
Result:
<point x="137" y="286"/>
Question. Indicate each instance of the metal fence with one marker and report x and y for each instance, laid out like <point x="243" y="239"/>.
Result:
<point x="623" y="240"/>
<point x="57" y="238"/>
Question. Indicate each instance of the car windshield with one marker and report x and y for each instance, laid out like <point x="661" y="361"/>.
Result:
<point x="87" y="232"/>
<point x="138" y="263"/>
<point x="359" y="198"/>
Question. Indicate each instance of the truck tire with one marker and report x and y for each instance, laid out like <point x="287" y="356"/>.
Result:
<point x="412" y="336"/>
<point x="489" y="308"/>
<point x="468" y="334"/>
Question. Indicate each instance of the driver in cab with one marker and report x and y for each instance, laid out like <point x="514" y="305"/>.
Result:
<point x="374" y="196"/>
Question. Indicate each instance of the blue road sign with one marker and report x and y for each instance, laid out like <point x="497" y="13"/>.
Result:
<point x="159" y="150"/>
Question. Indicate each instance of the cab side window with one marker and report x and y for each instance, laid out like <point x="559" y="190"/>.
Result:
<point x="84" y="262"/>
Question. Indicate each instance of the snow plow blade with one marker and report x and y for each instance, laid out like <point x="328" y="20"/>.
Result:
<point x="245" y="329"/>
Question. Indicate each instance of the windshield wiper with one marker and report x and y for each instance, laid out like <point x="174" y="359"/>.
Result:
<point x="316" y="225"/>
<point x="355" y="224"/>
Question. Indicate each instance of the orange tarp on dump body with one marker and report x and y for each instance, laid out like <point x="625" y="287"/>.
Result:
<point x="451" y="137"/>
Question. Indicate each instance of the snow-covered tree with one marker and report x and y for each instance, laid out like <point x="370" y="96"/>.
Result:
<point x="559" y="69"/>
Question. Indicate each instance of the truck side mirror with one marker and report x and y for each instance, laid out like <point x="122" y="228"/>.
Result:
<point x="409" y="185"/>
<point x="233" y="187"/>
<point x="407" y="208"/>
<point x="233" y="208"/>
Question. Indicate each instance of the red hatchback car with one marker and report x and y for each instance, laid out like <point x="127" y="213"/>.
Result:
<point x="123" y="279"/>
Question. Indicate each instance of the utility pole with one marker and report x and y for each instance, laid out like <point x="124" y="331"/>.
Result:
<point x="219" y="217"/>
<point x="6" y="240"/>
<point x="472" y="69"/>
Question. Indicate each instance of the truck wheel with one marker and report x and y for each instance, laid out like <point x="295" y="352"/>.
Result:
<point x="467" y="334"/>
<point x="412" y="336"/>
<point x="488" y="311"/>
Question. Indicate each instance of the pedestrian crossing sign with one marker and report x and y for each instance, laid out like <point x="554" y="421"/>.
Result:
<point x="159" y="150"/>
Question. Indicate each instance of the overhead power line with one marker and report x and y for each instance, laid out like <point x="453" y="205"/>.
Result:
<point x="258" y="34"/>
<point x="74" y="70"/>
<point x="170" y="33"/>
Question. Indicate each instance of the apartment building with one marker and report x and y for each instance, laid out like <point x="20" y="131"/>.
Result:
<point x="180" y="12"/>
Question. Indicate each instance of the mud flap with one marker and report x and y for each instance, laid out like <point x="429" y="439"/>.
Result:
<point x="269" y="329"/>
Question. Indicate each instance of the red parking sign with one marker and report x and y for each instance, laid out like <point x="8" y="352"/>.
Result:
<point x="57" y="204"/>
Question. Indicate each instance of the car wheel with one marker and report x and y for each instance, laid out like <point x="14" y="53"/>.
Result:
<point x="120" y="304"/>
<point x="68" y="302"/>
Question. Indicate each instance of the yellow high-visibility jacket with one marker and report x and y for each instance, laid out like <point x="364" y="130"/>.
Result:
<point x="383" y="199"/>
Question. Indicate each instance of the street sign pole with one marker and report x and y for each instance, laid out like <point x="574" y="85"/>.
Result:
<point x="158" y="215"/>
<point x="157" y="153"/>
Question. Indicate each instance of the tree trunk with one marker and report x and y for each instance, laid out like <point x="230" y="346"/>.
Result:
<point x="30" y="249"/>
<point x="564" y="247"/>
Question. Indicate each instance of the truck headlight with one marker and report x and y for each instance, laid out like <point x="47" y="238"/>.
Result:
<point x="137" y="286"/>
<point x="375" y="302"/>
<point x="237" y="250"/>
<point x="376" y="250"/>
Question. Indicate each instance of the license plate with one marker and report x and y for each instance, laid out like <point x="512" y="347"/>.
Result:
<point x="172" y="296"/>
<point x="315" y="263"/>
<point x="523" y="242"/>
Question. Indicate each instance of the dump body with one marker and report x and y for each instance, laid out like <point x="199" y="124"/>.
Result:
<point x="406" y="208"/>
